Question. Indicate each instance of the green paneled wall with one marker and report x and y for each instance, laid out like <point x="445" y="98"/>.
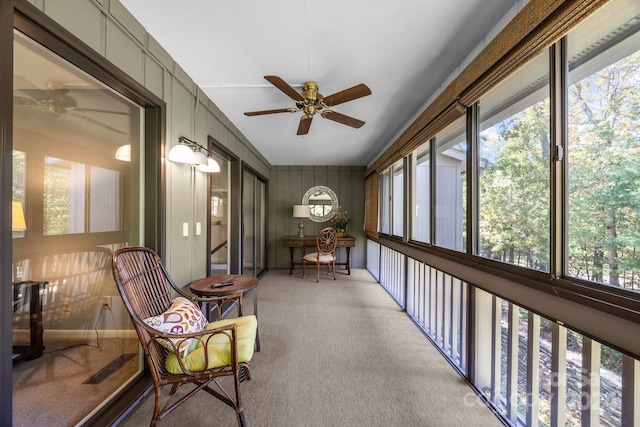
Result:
<point x="287" y="187"/>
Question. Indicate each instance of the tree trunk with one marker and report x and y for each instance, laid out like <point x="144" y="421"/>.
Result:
<point x="614" y="278"/>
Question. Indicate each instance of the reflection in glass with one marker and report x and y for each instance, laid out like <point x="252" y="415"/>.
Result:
<point x="451" y="182"/>
<point x="398" y="199"/>
<point x="422" y="185"/>
<point x="385" y="195"/>
<point x="64" y="189"/>
<point x="80" y="203"/>
<point x="219" y="218"/>
<point x="322" y="202"/>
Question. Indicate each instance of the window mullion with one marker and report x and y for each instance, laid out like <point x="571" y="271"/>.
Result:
<point x="558" y="88"/>
<point x="472" y="179"/>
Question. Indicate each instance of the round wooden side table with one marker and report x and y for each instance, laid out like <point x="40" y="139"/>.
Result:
<point x="206" y="288"/>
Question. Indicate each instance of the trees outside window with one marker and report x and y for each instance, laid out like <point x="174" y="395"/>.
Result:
<point x="604" y="167"/>
<point x="513" y="165"/>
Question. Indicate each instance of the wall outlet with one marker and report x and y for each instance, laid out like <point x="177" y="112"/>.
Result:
<point x="106" y="300"/>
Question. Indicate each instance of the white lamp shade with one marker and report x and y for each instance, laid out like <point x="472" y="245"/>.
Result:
<point x="301" y="211"/>
<point x="211" y="167"/>
<point x="201" y="159"/>
<point x="182" y="154"/>
<point x="124" y="153"/>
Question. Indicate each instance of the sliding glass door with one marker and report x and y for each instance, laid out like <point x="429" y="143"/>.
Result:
<point x="254" y="192"/>
<point x="78" y="194"/>
<point x="220" y="214"/>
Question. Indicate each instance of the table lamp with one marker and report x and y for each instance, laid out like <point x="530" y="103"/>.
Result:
<point x="301" y="211"/>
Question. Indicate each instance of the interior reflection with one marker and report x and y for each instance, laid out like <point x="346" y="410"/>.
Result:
<point x="322" y="202"/>
<point x="75" y="201"/>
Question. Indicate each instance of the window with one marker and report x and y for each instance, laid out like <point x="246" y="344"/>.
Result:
<point x="398" y="199"/>
<point x="451" y="205"/>
<point x="513" y="169"/>
<point x="104" y="200"/>
<point x="603" y="150"/>
<point x="64" y="187"/>
<point x="420" y="224"/>
<point x="385" y="199"/>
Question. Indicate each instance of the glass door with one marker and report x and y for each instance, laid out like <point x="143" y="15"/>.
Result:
<point x="219" y="221"/>
<point x="253" y="223"/>
<point x="77" y="195"/>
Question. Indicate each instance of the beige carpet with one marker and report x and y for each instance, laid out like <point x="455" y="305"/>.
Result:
<point x="336" y="353"/>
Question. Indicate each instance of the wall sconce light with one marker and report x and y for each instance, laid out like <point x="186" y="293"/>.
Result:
<point x="200" y="159"/>
<point x="17" y="217"/>
<point x="301" y="211"/>
<point x="211" y="167"/>
<point x="192" y="153"/>
<point x="124" y="153"/>
<point x="182" y="154"/>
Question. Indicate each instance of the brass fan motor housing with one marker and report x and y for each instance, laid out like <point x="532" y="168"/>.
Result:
<point x="310" y="91"/>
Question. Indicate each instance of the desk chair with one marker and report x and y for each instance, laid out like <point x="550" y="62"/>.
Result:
<point x="325" y="254"/>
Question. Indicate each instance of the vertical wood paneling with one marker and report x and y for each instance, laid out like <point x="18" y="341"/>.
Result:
<point x="287" y="187"/>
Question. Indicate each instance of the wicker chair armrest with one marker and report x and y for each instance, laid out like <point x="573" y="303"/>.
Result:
<point x="230" y="331"/>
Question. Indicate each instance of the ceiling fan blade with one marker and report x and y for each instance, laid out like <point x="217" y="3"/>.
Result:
<point x="96" y="122"/>
<point x="355" y="92"/>
<point x="305" y="124"/>
<point x="24" y="101"/>
<point x="285" y="87"/>
<point x="341" y="118"/>
<point x="279" y="110"/>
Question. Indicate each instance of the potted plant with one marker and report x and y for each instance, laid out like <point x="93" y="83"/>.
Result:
<point x="340" y="222"/>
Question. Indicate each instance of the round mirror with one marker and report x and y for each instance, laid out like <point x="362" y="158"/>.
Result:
<point x="322" y="202"/>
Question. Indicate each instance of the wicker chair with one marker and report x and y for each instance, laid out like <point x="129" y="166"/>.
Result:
<point x="222" y="349"/>
<point x="325" y="254"/>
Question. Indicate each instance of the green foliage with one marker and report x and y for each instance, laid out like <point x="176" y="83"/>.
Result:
<point x="341" y="220"/>
<point x="514" y="190"/>
<point x="603" y="179"/>
<point x="604" y="175"/>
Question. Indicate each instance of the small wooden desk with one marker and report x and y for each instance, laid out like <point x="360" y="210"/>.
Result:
<point x="292" y="242"/>
<point x="241" y="284"/>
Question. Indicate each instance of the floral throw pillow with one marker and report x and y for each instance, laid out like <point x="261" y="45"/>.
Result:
<point x="182" y="317"/>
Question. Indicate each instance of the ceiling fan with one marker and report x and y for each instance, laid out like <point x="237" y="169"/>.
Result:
<point x="55" y="100"/>
<point x="310" y="102"/>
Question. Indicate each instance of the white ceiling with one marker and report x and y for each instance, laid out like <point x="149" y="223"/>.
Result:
<point x="403" y="50"/>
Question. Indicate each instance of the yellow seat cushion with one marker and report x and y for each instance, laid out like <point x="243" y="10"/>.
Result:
<point x="218" y="347"/>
